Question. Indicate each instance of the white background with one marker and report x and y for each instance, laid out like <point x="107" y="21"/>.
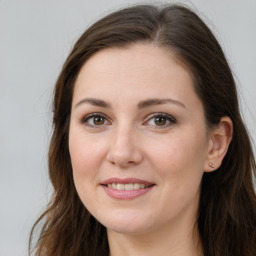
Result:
<point x="35" y="38"/>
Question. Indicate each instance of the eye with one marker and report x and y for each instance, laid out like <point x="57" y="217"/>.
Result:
<point x="94" y="120"/>
<point x="160" y="120"/>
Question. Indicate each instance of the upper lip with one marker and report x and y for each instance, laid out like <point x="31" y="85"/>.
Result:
<point x="126" y="181"/>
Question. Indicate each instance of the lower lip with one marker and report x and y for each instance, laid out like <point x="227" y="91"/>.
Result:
<point x="126" y="194"/>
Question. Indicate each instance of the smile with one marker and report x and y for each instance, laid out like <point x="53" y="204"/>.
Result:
<point x="129" y="186"/>
<point x="126" y="189"/>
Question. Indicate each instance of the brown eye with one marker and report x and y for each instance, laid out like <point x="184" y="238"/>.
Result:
<point x="159" y="121"/>
<point x="98" y="120"/>
<point x="95" y="120"/>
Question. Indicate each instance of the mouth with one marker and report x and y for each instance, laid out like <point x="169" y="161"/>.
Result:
<point x="128" y="188"/>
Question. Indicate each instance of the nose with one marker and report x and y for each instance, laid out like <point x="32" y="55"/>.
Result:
<point x="124" y="150"/>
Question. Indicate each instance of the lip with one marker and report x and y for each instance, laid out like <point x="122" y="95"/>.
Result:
<point x="126" y="194"/>
<point x="126" y="181"/>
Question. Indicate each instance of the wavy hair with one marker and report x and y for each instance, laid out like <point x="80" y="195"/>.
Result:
<point x="227" y="208"/>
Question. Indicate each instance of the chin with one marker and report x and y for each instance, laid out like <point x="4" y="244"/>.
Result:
<point x="126" y="223"/>
<point x="126" y="229"/>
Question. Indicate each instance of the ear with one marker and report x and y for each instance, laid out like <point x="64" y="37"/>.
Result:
<point x="219" y="141"/>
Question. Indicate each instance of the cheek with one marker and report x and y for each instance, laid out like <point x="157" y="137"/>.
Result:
<point x="179" y="162"/>
<point x="178" y="152"/>
<point x="85" y="159"/>
<point x="85" y="153"/>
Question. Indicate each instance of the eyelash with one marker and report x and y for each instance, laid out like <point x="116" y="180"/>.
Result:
<point x="166" y="118"/>
<point x="85" y="120"/>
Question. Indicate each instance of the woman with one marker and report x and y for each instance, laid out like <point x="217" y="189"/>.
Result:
<point x="149" y="155"/>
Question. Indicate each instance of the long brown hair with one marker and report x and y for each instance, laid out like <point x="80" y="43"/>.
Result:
<point x="227" y="210"/>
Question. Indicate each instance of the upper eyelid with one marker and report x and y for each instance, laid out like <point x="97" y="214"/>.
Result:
<point x="94" y="114"/>
<point x="150" y="116"/>
<point x="170" y="119"/>
<point x="88" y="116"/>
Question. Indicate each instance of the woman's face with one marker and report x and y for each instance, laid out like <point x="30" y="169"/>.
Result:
<point x="138" y="140"/>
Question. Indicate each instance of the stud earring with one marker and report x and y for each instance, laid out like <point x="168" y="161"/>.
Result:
<point x="211" y="165"/>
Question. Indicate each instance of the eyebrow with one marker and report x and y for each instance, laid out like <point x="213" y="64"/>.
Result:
<point x="142" y="104"/>
<point x="150" y="102"/>
<point x="94" y="102"/>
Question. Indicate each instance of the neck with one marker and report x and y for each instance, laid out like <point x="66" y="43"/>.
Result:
<point x="179" y="243"/>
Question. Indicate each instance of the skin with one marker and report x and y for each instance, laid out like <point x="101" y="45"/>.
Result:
<point x="130" y="142"/>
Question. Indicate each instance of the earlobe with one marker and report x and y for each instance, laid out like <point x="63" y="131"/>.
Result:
<point x="220" y="139"/>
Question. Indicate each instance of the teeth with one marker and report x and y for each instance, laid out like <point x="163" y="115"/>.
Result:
<point x="129" y="186"/>
<point x="120" y="186"/>
<point x="136" y="186"/>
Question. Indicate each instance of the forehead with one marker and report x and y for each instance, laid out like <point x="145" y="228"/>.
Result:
<point x="134" y="71"/>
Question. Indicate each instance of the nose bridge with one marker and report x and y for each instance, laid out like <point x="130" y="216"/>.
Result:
<point x="123" y="134"/>
<point x="124" y="150"/>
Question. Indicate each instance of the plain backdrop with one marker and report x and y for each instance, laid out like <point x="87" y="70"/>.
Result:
<point x="35" y="38"/>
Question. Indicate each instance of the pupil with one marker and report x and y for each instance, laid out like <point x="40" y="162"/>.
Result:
<point x="160" y="121"/>
<point x="98" y="120"/>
